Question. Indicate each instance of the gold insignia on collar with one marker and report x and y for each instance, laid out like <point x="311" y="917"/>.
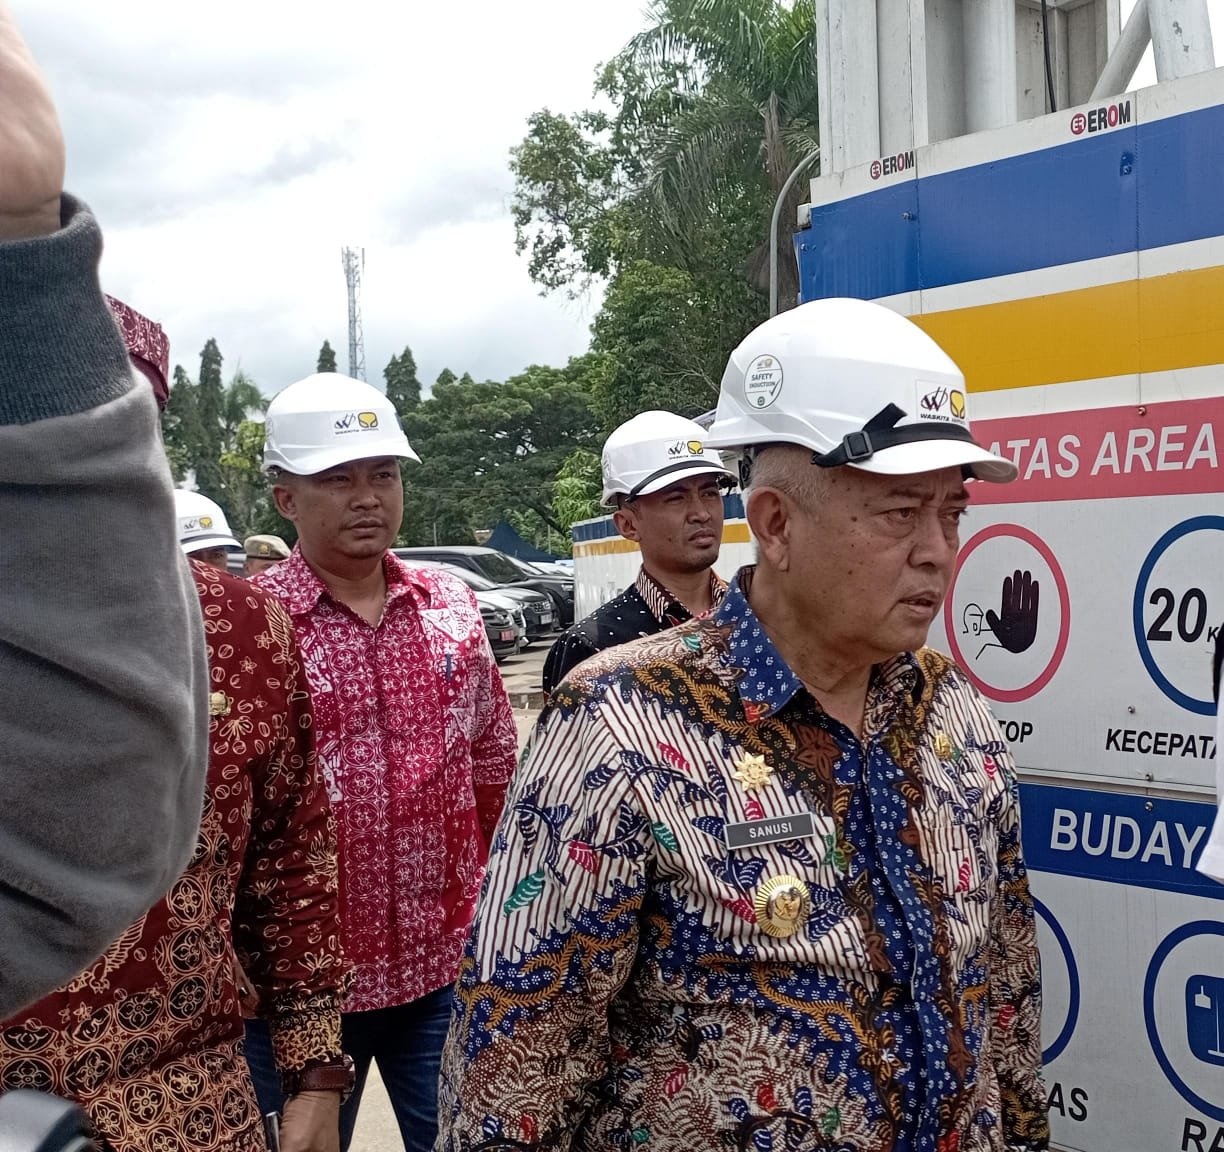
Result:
<point x="782" y="905"/>
<point x="218" y="703"/>
<point x="943" y="746"/>
<point x="752" y="771"/>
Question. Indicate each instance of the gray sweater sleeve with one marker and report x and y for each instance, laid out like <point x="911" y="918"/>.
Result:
<point x="103" y="679"/>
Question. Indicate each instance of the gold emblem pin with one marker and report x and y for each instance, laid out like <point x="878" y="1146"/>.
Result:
<point x="943" y="746"/>
<point x="218" y="703"/>
<point x="752" y="771"/>
<point x="782" y="905"/>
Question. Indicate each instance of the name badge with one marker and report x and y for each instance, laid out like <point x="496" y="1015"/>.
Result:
<point x="771" y="830"/>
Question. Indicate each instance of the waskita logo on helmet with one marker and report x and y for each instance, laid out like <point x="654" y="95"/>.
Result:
<point x="864" y="387"/>
<point x="329" y="419"/>
<point x="651" y="451"/>
<point x="201" y="523"/>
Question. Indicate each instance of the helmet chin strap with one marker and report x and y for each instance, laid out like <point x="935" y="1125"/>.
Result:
<point x="881" y="432"/>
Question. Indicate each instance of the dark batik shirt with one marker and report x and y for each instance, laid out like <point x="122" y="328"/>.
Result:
<point x="629" y="982"/>
<point x="149" y="1038"/>
<point x="643" y="609"/>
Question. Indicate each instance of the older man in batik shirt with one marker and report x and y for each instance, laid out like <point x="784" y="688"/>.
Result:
<point x="759" y="881"/>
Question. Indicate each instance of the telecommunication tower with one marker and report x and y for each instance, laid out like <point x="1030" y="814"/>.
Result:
<point x="353" y="260"/>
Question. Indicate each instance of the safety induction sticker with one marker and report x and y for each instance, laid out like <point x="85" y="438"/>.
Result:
<point x="1178" y="610"/>
<point x="1183" y="1008"/>
<point x="763" y="381"/>
<point x="1008" y="614"/>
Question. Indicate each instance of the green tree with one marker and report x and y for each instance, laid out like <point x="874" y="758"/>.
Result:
<point x="213" y="438"/>
<point x="210" y="399"/>
<point x="493" y="450"/>
<point x="445" y="377"/>
<point x="248" y="500"/>
<point x="181" y="425"/>
<point x="660" y="342"/>
<point x="742" y="77"/>
<point x="327" y="358"/>
<point x="403" y="387"/>
<point x="577" y="490"/>
<point x="567" y="180"/>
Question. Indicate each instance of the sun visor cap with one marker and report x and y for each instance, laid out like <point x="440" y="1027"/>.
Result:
<point x="824" y="371"/>
<point x="653" y="451"/>
<point x="328" y="419"/>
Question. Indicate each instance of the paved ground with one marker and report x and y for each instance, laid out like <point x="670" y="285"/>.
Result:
<point x="376" y="1127"/>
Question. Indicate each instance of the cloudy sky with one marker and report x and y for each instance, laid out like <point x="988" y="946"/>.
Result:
<point x="232" y="148"/>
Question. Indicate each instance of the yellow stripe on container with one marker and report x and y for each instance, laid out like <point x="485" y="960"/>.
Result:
<point x="1155" y="324"/>
<point x="733" y="533"/>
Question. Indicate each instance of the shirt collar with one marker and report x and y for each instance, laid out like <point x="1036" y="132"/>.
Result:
<point x="766" y="683"/>
<point x="297" y="585"/>
<point x="664" y="607"/>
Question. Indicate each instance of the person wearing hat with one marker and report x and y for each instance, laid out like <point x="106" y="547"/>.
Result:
<point x="667" y="489"/>
<point x="204" y="532"/>
<point x="102" y="671"/>
<point x="415" y="731"/>
<point x="760" y="881"/>
<point x="262" y="552"/>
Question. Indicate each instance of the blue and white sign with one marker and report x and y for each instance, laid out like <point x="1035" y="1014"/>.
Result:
<point x="1118" y="837"/>
<point x="1178" y="607"/>
<point x="1183" y="1007"/>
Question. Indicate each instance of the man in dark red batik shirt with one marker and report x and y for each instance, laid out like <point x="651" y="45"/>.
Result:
<point x="415" y="735"/>
<point x="147" y="1040"/>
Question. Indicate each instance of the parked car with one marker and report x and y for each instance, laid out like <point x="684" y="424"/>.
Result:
<point x="504" y="623"/>
<point x="538" y="610"/>
<point x="502" y="569"/>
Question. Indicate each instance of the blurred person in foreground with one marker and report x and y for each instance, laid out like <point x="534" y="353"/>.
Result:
<point x="667" y="490"/>
<point x="759" y="880"/>
<point x="103" y="720"/>
<point x="148" y="1039"/>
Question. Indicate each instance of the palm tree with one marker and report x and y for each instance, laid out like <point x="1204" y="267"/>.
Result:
<point x="730" y="86"/>
<point x="241" y="400"/>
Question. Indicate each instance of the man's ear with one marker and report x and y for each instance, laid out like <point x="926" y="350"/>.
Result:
<point x="286" y="504"/>
<point x="768" y="512"/>
<point x="626" y="523"/>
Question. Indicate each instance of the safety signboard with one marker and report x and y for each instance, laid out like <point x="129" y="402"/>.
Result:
<point x="1087" y="594"/>
<point x="1085" y="603"/>
<point x="1132" y="959"/>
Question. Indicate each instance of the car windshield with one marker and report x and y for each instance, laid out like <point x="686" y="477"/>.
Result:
<point x="498" y="566"/>
<point x="526" y="569"/>
<point x="473" y="580"/>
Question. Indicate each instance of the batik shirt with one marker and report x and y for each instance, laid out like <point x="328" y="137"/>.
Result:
<point x="642" y="609"/>
<point x="148" y="1039"/>
<point x="624" y="985"/>
<point x="416" y="741"/>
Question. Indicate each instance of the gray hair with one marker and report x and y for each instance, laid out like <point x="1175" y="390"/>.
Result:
<point x="789" y="469"/>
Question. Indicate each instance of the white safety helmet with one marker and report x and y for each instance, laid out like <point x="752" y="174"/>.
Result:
<point x="201" y="523"/>
<point x="653" y="450"/>
<point x="856" y="383"/>
<point x="329" y="419"/>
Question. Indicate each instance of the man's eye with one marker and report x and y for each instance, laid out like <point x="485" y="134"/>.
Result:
<point x="905" y="514"/>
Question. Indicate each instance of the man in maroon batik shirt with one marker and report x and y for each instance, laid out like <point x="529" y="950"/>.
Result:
<point x="147" y="1040"/>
